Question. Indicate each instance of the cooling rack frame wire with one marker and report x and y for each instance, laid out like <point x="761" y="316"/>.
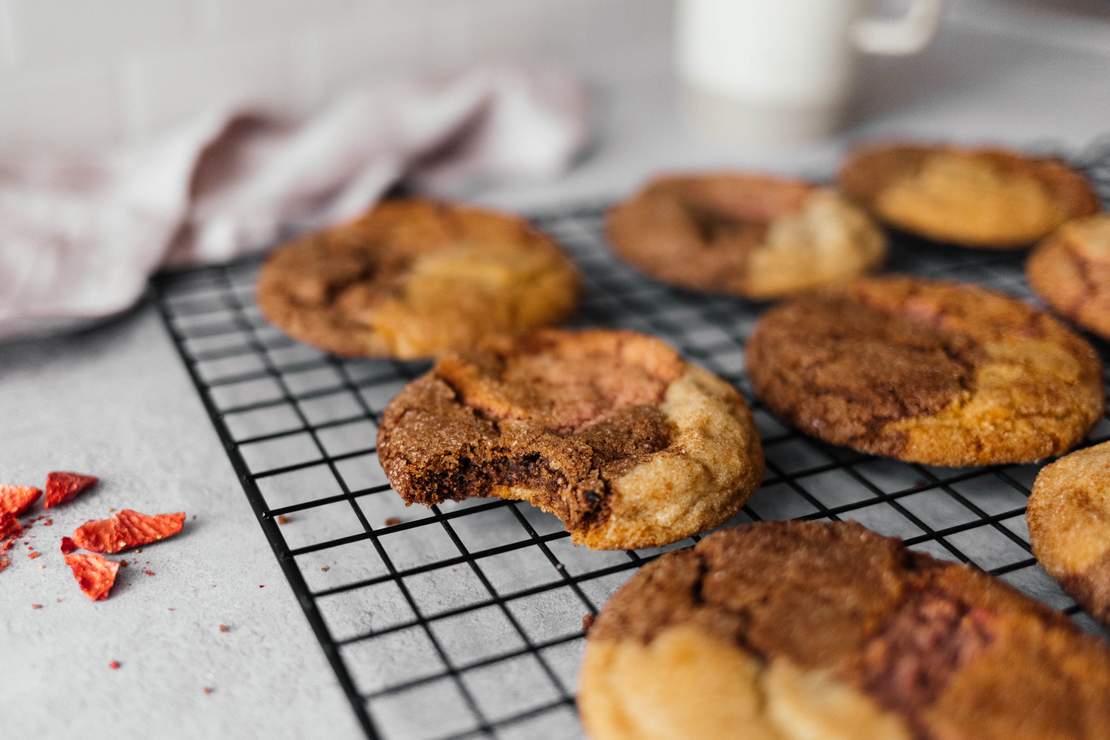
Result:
<point x="226" y="346"/>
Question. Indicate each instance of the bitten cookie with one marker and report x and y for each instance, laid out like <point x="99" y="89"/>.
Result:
<point x="750" y="235"/>
<point x="927" y="371"/>
<point x="610" y="431"/>
<point x="827" y="630"/>
<point x="987" y="198"/>
<point x="413" y="279"/>
<point x="1069" y="526"/>
<point x="1070" y="270"/>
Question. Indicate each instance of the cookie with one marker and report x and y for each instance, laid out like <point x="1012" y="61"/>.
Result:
<point x="611" y="431"/>
<point x="1070" y="270"/>
<point x="927" y="371"/>
<point x="754" y="236"/>
<point x="411" y="279"/>
<point x="986" y="198"/>
<point x="827" y="630"/>
<point x="1069" y="526"/>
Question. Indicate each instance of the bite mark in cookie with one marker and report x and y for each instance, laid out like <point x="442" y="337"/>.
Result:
<point x="610" y="431"/>
<point x="1069" y="526"/>
<point x="829" y="630"/>
<point x="751" y="235"/>
<point x="927" y="371"/>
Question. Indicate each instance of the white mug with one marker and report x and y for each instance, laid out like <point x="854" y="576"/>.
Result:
<point x="791" y="64"/>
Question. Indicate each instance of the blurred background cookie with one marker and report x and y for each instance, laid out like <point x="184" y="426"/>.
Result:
<point x="987" y="198"/>
<point x="927" y="371"/>
<point x="828" y="630"/>
<point x="610" y="431"/>
<point x="1069" y="526"/>
<point x="750" y="235"/>
<point x="1070" y="270"/>
<point x="415" y="278"/>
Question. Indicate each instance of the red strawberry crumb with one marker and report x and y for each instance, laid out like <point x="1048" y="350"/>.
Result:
<point x="126" y="530"/>
<point x="9" y="526"/>
<point x="62" y="487"/>
<point x="282" y="519"/>
<point x="225" y="628"/>
<point x="36" y="606"/>
<point x="17" y="499"/>
<point x="68" y="546"/>
<point x="5" y="561"/>
<point x="148" y="572"/>
<point x="115" y="665"/>
<point x="95" y="574"/>
<point x="207" y="690"/>
<point x="34" y="554"/>
<point x="48" y="523"/>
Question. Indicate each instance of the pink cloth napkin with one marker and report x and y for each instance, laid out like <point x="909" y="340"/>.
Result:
<point x="79" y="236"/>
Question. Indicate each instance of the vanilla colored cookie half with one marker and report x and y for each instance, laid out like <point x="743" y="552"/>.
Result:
<point x="611" y="431"/>
<point x="927" y="371"/>
<point x="415" y="278"/>
<point x="792" y="630"/>
<point x="1069" y="526"/>
<point x="986" y="198"/>
<point x="755" y="236"/>
<point x="1070" y="270"/>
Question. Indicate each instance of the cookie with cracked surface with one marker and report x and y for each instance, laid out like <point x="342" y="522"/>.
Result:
<point x="415" y="278"/>
<point x="927" y="371"/>
<point x="975" y="197"/>
<point x="1070" y="270"/>
<point x="750" y="235"/>
<point x="1069" y="526"/>
<point x="806" y="629"/>
<point x="611" y="431"/>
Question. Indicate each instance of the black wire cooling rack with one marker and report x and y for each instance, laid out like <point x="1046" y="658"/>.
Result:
<point x="465" y="619"/>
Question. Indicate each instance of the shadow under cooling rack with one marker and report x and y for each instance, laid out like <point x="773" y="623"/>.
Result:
<point x="465" y="619"/>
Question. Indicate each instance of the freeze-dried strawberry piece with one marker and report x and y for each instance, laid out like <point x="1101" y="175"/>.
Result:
<point x="68" y="546"/>
<point x="61" y="487"/>
<point x="9" y="526"/>
<point x="127" y="529"/>
<point x="17" y="499"/>
<point x="95" y="574"/>
<point x="5" y="561"/>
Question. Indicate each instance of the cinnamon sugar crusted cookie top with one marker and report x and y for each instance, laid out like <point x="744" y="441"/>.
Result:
<point x="978" y="197"/>
<point x="862" y="630"/>
<point x="611" y="431"/>
<point x="927" y="371"/>
<point x="752" y="235"/>
<point x="416" y="278"/>
<point x="1071" y="271"/>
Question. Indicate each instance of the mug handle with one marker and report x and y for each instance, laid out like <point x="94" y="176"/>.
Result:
<point x="906" y="35"/>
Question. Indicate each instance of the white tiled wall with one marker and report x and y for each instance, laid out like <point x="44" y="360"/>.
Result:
<point x="89" y="72"/>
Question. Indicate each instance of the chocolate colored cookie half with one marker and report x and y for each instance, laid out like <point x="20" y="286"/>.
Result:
<point x="1070" y="270"/>
<point x="611" y="431"/>
<point x="416" y="278"/>
<point x="1069" y="526"/>
<point x="927" y="371"/>
<point x="750" y="235"/>
<point x="986" y="198"/>
<point x="826" y="630"/>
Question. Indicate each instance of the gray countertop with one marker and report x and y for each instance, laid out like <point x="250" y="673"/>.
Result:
<point x="116" y="401"/>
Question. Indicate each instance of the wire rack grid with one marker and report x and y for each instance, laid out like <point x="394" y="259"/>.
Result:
<point x="465" y="619"/>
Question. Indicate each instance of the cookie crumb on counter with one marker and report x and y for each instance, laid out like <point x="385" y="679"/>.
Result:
<point x="36" y="606"/>
<point x="225" y="628"/>
<point x="392" y="521"/>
